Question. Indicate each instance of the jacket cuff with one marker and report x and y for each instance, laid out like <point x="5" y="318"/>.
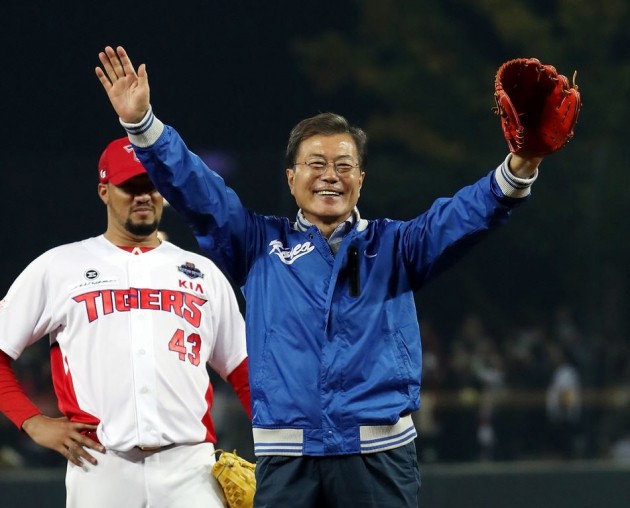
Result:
<point x="146" y="132"/>
<point x="512" y="186"/>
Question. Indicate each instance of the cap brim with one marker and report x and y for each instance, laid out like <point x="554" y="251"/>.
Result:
<point x="121" y="178"/>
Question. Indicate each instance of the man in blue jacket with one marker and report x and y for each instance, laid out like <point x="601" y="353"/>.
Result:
<point x="332" y="331"/>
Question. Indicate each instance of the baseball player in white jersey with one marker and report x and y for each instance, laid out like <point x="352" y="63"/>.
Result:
<point x="133" y="323"/>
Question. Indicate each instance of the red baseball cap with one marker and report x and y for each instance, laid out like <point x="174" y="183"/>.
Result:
<point x="119" y="163"/>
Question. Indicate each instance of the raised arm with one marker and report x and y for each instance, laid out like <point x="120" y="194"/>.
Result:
<point x="127" y="90"/>
<point x="524" y="167"/>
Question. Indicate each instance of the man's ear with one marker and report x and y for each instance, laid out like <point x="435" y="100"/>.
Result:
<point x="290" y="176"/>
<point x="103" y="192"/>
<point x="361" y="181"/>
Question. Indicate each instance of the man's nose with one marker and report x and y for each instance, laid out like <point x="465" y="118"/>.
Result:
<point x="330" y="171"/>
<point x="142" y="196"/>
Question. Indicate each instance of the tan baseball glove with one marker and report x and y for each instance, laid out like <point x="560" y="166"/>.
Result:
<point x="237" y="479"/>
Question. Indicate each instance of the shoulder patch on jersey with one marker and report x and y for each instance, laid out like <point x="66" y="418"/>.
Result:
<point x="3" y="304"/>
<point x="190" y="270"/>
<point x="91" y="274"/>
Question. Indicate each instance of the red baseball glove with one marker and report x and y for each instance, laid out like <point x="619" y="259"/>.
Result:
<point x="537" y="106"/>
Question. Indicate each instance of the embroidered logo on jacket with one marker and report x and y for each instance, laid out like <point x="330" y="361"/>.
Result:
<point x="288" y="256"/>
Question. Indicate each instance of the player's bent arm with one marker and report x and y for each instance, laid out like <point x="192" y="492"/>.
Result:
<point x="239" y="379"/>
<point x="58" y="434"/>
<point x="229" y="355"/>
<point x="14" y="403"/>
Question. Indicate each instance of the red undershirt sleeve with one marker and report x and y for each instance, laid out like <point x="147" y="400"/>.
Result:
<point x="13" y="401"/>
<point x="239" y="379"/>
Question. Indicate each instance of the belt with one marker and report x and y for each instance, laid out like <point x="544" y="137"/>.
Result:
<point x="154" y="448"/>
<point x="92" y="435"/>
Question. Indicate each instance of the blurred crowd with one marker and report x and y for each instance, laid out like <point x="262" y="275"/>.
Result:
<point x="544" y="392"/>
<point x="539" y="392"/>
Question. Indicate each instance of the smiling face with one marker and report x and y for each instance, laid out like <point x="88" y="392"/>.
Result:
<point x="326" y="197"/>
<point x="134" y="210"/>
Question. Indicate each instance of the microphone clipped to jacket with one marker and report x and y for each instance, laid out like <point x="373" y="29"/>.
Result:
<point x="354" y="275"/>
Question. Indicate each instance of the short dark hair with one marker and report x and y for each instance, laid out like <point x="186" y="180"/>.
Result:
<point x="326" y="124"/>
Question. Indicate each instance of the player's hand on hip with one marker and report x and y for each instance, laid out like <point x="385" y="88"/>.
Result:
<point x="64" y="437"/>
<point x="127" y="90"/>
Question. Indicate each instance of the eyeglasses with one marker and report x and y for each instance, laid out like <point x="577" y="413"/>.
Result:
<point x="342" y="168"/>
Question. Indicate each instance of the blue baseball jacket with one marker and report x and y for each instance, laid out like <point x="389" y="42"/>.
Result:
<point x="333" y="340"/>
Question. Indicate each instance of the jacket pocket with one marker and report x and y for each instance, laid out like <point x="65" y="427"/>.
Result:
<point x="408" y="355"/>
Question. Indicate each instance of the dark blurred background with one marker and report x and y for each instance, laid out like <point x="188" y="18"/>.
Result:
<point x="526" y="340"/>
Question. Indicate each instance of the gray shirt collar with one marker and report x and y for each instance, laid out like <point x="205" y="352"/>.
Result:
<point x="334" y="241"/>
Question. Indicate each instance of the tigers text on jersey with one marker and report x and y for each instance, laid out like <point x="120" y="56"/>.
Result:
<point x="130" y="337"/>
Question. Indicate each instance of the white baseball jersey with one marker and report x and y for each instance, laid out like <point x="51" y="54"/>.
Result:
<point x="134" y="334"/>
